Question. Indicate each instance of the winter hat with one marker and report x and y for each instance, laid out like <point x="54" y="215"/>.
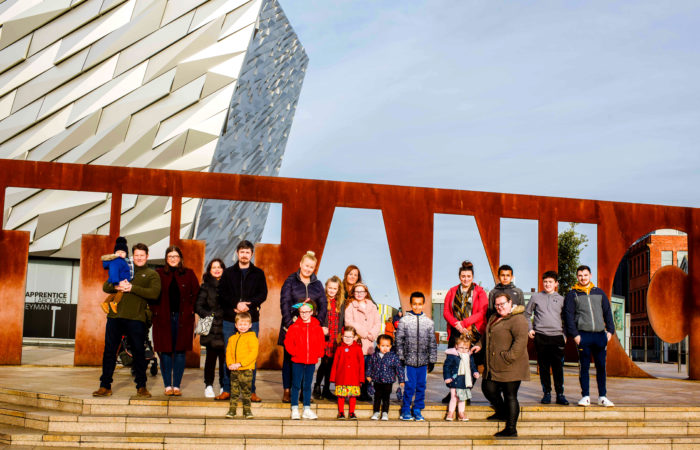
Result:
<point x="121" y="245"/>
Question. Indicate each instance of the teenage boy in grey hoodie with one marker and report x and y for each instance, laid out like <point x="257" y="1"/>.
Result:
<point x="505" y="276"/>
<point x="548" y="332"/>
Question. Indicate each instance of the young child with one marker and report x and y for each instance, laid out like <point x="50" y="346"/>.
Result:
<point x="383" y="368"/>
<point x="241" y="354"/>
<point x="348" y="371"/>
<point x="118" y="267"/>
<point x="305" y="341"/>
<point x="336" y="299"/>
<point x="417" y="350"/>
<point x="458" y="370"/>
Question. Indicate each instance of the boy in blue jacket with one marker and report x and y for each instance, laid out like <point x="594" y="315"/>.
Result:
<point x="383" y="368"/>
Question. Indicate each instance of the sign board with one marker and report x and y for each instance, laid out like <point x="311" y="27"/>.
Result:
<point x="51" y="299"/>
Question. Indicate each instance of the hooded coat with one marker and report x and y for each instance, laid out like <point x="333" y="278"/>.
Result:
<point x="295" y="291"/>
<point x="305" y="341"/>
<point x="505" y="343"/>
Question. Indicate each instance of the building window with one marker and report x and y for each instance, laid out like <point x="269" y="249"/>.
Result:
<point x="680" y="256"/>
<point x="666" y="258"/>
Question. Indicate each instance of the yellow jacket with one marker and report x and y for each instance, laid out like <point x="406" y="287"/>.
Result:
<point x="242" y="348"/>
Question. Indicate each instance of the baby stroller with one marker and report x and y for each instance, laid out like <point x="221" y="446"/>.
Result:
<point x="126" y="359"/>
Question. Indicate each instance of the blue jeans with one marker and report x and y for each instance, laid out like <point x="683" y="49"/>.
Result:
<point x="230" y="330"/>
<point x="302" y="375"/>
<point x="592" y="344"/>
<point x="172" y="365"/>
<point x="135" y="332"/>
<point x="415" y="384"/>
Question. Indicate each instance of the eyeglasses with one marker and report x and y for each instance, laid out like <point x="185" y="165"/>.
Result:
<point x="173" y="256"/>
<point x="499" y="305"/>
<point x="360" y="292"/>
<point x="305" y="312"/>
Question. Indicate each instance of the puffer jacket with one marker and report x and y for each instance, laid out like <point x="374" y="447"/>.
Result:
<point x="415" y="340"/>
<point x="384" y="369"/>
<point x="305" y="341"/>
<point x="207" y="305"/>
<point x="295" y="291"/>
<point x="505" y="343"/>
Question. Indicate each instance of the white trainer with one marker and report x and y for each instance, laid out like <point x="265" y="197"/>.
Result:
<point x="603" y="401"/>
<point x="295" y="413"/>
<point x="209" y="392"/>
<point x="375" y="416"/>
<point x="308" y="414"/>
<point x="221" y="391"/>
<point x="585" y="401"/>
<point x="385" y="416"/>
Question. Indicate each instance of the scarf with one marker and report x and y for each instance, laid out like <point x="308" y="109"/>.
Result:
<point x="462" y="303"/>
<point x="587" y="288"/>
<point x="464" y="369"/>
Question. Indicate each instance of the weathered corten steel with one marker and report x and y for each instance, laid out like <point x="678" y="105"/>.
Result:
<point x="667" y="306"/>
<point x="307" y="212"/>
<point x="14" y="248"/>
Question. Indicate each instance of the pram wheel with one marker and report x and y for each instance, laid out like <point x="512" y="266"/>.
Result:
<point x="154" y="368"/>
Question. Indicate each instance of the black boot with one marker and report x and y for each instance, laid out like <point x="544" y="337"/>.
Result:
<point x="507" y="432"/>
<point x="317" y="392"/>
<point x="328" y="395"/>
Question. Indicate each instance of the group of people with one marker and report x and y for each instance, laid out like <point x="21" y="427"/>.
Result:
<point x="339" y="325"/>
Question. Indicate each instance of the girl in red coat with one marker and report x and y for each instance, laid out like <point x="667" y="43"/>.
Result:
<point x="305" y="342"/>
<point x="348" y="371"/>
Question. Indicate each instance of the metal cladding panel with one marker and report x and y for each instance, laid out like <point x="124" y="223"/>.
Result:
<point x="257" y="128"/>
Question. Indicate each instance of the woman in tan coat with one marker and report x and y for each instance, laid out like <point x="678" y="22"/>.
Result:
<point x="506" y="361"/>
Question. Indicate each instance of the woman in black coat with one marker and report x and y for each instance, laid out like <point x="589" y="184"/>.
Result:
<point x="214" y="341"/>
<point x="299" y="287"/>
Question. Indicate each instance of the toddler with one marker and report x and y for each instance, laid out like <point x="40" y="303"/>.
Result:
<point x="383" y="368"/>
<point x="305" y="342"/>
<point x="458" y="370"/>
<point x="118" y="267"/>
<point x="241" y="354"/>
<point x="348" y="371"/>
<point x="417" y="350"/>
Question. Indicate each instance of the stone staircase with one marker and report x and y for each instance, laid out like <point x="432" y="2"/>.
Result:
<point x="29" y="419"/>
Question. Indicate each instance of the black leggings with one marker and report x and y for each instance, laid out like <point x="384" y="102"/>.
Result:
<point x="323" y="374"/>
<point x="214" y="354"/>
<point x="503" y="395"/>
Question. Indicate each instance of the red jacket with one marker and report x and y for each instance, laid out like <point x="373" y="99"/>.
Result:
<point x="305" y="341"/>
<point x="348" y="365"/>
<point x="480" y="304"/>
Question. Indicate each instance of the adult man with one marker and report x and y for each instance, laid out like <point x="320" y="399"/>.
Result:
<point x="548" y="333"/>
<point x="588" y="319"/>
<point x="130" y="320"/>
<point x="242" y="288"/>
<point x="505" y="276"/>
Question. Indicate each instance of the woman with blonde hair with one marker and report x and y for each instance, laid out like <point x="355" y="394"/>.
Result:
<point x="300" y="287"/>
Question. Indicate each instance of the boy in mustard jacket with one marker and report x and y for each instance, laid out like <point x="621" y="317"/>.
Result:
<point x="241" y="354"/>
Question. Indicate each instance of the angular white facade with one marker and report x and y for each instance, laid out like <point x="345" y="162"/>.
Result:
<point x="180" y="84"/>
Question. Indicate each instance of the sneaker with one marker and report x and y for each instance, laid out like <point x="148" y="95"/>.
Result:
<point x="462" y="418"/>
<point x="231" y="413"/>
<point x="209" y="392"/>
<point x="308" y="414"/>
<point x="340" y="416"/>
<point x="418" y="416"/>
<point x="295" y="413"/>
<point x="248" y="414"/>
<point x="406" y="417"/>
<point x="546" y="398"/>
<point x="352" y="416"/>
<point x="376" y="416"/>
<point x="385" y="416"/>
<point x="561" y="400"/>
<point x="603" y="401"/>
<point x="585" y="401"/>
<point x="450" y="416"/>
<point x="221" y="391"/>
<point x="102" y="392"/>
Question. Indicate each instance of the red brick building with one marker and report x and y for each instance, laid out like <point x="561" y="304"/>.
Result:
<point x="644" y="258"/>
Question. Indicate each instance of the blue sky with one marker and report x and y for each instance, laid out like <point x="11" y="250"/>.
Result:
<point x="590" y="99"/>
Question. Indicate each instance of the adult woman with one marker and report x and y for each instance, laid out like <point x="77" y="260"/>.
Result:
<point x="352" y="276"/>
<point x="362" y="314"/>
<point x="506" y="361"/>
<point x="299" y="287"/>
<point x="214" y="341"/>
<point x="173" y="318"/>
<point x="465" y="305"/>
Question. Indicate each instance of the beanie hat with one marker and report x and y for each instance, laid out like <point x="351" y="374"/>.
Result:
<point x="121" y="245"/>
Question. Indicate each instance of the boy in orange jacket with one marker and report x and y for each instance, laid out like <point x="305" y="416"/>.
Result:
<point x="241" y="354"/>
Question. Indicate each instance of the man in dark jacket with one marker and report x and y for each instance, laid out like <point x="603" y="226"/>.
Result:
<point x="506" y="286"/>
<point x="130" y="320"/>
<point x="242" y="288"/>
<point x="588" y="320"/>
